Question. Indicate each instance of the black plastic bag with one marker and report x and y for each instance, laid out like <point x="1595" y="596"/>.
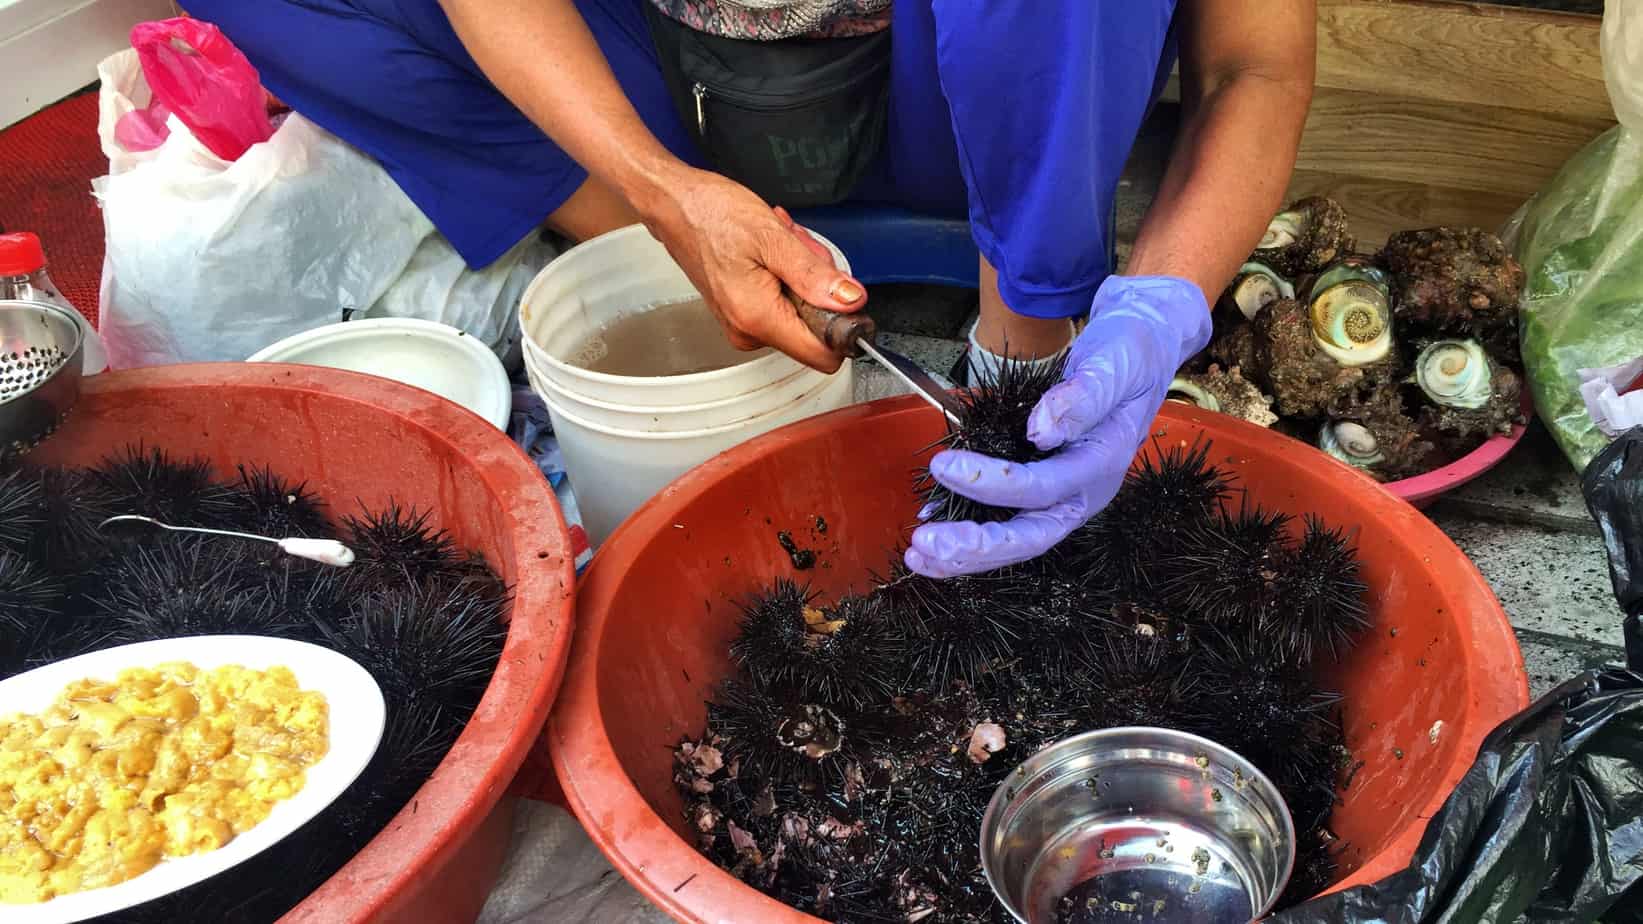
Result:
<point x="1548" y="823"/>
<point x="1614" y="493"/>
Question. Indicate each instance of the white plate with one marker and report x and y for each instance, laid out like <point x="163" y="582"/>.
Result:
<point x="354" y="704"/>
<point x="431" y="356"/>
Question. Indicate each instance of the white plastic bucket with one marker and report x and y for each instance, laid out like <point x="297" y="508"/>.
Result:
<point x="621" y="469"/>
<point x="624" y="438"/>
<point x="674" y="419"/>
<point x="611" y="276"/>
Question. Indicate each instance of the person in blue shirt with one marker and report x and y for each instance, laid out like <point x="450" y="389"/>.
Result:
<point x="497" y="116"/>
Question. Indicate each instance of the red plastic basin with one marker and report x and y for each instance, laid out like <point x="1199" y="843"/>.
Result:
<point x="656" y="611"/>
<point x="358" y="437"/>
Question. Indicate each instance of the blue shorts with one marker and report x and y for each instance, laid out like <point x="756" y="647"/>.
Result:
<point x="1018" y="113"/>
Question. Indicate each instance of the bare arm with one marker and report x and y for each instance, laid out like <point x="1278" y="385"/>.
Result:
<point x="540" y="54"/>
<point x="735" y="249"/>
<point x="1247" y="68"/>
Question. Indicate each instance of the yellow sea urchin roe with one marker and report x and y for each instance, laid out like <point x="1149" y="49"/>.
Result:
<point x="170" y="761"/>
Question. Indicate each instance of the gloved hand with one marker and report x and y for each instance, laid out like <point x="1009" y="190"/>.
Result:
<point x="1141" y="329"/>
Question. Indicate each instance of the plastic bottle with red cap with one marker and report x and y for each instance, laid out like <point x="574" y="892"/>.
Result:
<point x="23" y="278"/>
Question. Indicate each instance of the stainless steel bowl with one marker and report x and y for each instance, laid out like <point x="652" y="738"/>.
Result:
<point x="1137" y="824"/>
<point x="40" y="367"/>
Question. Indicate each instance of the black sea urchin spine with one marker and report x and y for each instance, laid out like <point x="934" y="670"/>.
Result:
<point x="1227" y="568"/>
<point x="28" y="594"/>
<point x="1174" y="485"/>
<point x="1066" y="612"/>
<point x="1139" y="679"/>
<point x="31" y="604"/>
<point x="847" y="655"/>
<point x="149" y="482"/>
<point x="430" y="644"/>
<point x="1321" y="599"/>
<point x="755" y="730"/>
<point x="959" y="628"/>
<point x="993" y="423"/>
<point x="73" y="505"/>
<point x="1317" y="866"/>
<point x="397" y="545"/>
<point x="279" y="508"/>
<point x="173" y="587"/>
<point x="1255" y="701"/>
<point x="316" y="599"/>
<point x="1170" y="490"/>
<point x="22" y="504"/>
<point x="772" y="630"/>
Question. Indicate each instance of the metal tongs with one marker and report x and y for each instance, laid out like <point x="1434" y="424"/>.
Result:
<point x="324" y="551"/>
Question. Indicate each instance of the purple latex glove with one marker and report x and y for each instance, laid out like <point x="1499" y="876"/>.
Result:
<point x="1141" y="329"/>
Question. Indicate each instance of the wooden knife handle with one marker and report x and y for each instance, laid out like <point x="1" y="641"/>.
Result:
<point x="838" y="330"/>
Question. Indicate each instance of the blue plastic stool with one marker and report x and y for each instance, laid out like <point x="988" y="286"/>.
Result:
<point x="888" y="244"/>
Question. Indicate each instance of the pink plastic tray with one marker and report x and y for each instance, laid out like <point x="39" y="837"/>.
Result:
<point x="1422" y="490"/>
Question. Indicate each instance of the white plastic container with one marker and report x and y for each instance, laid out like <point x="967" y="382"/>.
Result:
<point x="426" y="354"/>
<point x="624" y="438"/>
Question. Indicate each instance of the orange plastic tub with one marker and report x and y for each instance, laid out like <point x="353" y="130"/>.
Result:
<point x="1440" y="668"/>
<point x="357" y="437"/>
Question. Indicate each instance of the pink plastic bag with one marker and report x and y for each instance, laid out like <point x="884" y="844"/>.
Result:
<point x="143" y="129"/>
<point x="196" y="74"/>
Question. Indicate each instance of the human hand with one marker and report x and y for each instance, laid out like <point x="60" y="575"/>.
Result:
<point x="738" y="252"/>
<point x="1141" y="329"/>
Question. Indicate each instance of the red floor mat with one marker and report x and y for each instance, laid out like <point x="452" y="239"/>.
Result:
<point x="47" y="163"/>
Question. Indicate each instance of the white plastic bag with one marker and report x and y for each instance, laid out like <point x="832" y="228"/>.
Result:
<point x="436" y="284"/>
<point x="1612" y="410"/>
<point x="212" y="260"/>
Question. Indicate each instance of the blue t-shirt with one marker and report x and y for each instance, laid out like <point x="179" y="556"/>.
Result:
<point x="1019" y="113"/>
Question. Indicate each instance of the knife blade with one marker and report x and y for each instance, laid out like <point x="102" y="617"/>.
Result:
<point x="850" y="334"/>
<point x="915" y="378"/>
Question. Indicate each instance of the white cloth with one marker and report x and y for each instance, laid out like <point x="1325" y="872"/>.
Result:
<point x="555" y="875"/>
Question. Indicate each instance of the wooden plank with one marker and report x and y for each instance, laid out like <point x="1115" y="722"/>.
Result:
<point x="1465" y="53"/>
<point x="1484" y="148"/>
<point x="1377" y="208"/>
<point x="1430" y="112"/>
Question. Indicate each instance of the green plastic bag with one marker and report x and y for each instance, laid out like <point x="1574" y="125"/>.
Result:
<point x="1580" y="240"/>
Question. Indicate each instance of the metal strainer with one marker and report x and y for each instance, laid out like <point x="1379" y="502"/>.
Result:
<point x="40" y="368"/>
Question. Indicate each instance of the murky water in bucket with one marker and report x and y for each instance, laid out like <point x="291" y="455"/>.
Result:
<point x="673" y="338"/>
<point x="1137" y="869"/>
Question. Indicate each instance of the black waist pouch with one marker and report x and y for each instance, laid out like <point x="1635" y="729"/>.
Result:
<point x="797" y="120"/>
